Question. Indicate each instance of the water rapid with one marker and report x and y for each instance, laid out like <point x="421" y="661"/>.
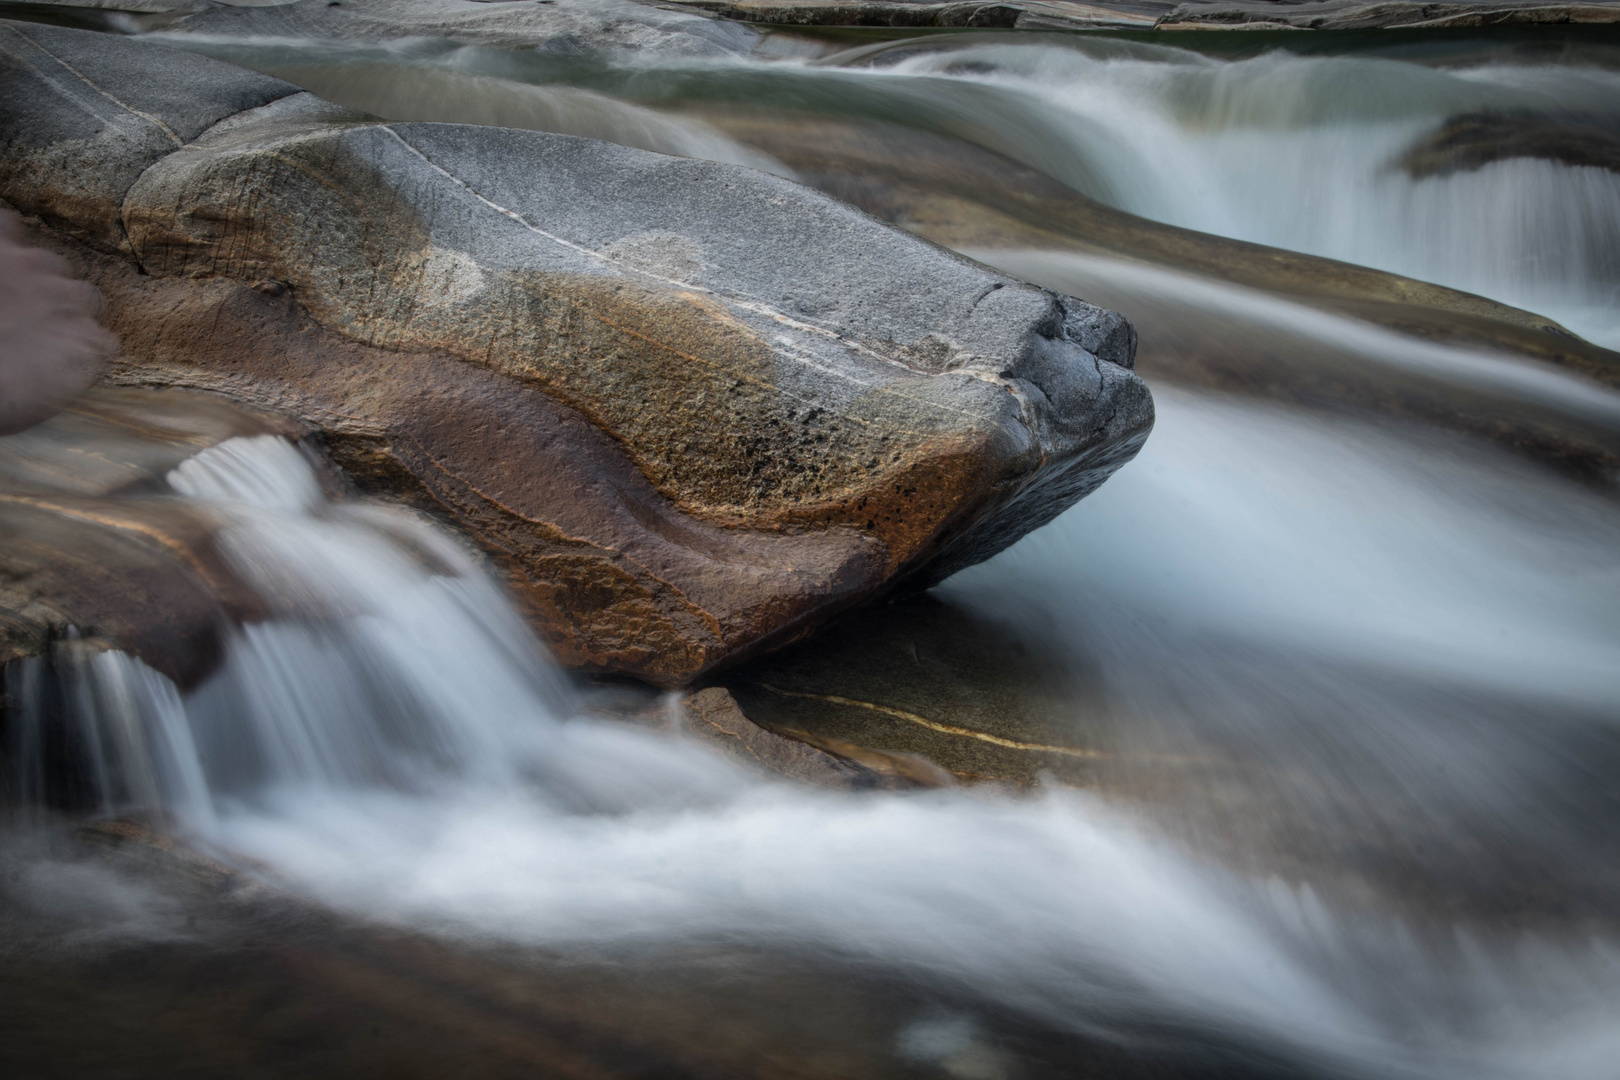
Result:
<point x="395" y="743"/>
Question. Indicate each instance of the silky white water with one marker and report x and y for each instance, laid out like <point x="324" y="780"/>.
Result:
<point x="394" y="742"/>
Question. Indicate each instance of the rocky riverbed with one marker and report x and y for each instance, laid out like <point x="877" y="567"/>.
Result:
<point x="749" y="359"/>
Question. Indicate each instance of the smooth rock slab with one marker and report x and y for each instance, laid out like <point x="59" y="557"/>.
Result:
<point x="694" y="409"/>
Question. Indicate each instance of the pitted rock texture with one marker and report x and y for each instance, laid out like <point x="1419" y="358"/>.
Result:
<point x="693" y="409"/>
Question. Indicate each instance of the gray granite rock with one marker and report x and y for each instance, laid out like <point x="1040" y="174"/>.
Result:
<point x="70" y="150"/>
<point x="802" y="407"/>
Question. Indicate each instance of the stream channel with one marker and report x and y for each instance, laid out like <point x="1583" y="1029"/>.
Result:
<point x="1308" y="720"/>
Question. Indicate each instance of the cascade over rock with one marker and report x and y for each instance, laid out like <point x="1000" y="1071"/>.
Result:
<point x="691" y="409"/>
<point x="93" y="543"/>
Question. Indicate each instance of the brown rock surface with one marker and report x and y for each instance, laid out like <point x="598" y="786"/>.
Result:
<point x="713" y="715"/>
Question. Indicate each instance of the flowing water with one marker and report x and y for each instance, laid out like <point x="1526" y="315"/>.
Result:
<point x="394" y="743"/>
<point x="1370" y="670"/>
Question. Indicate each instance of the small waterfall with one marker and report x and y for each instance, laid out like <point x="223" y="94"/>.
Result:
<point x="108" y="727"/>
<point x="1304" y="153"/>
<point x="352" y="683"/>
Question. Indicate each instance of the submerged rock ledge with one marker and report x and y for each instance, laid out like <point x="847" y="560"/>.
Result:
<point x="693" y="410"/>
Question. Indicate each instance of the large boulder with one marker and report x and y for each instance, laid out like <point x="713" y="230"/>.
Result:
<point x="692" y="409"/>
